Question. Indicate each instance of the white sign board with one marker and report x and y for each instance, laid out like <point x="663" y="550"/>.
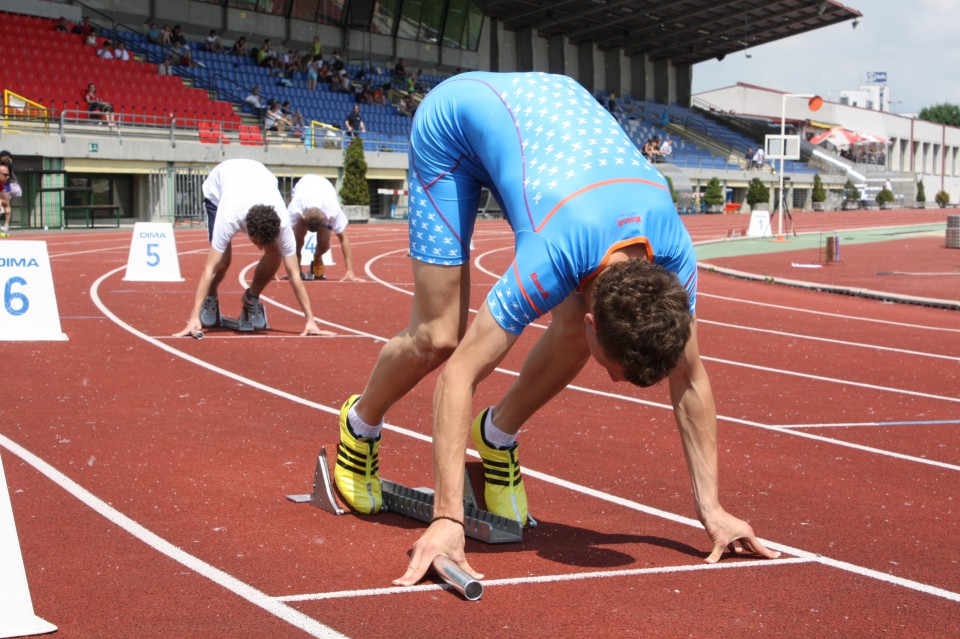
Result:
<point x="759" y="224"/>
<point x="309" y="247"/>
<point x="29" y="311"/>
<point x="153" y="254"/>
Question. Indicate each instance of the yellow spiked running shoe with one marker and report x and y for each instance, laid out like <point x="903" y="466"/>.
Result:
<point x="357" y="473"/>
<point x="503" y="489"/>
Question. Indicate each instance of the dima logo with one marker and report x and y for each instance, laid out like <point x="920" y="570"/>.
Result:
<point x="18" y="262"/>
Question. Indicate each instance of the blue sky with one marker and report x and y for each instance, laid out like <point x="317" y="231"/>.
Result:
<point x="916" y="42"/>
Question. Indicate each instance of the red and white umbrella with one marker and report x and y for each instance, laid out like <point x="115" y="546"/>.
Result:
<point x="837" y="137"/>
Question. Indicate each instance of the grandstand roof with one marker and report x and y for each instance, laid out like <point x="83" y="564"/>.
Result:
<point x="683" y="31"/>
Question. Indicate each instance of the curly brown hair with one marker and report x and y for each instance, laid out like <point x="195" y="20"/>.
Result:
<point x="643" y="319"/>
<point x="263" y="223"/>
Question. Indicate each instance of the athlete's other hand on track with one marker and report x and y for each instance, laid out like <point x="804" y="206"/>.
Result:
<point x="313" y="329"/>
<point x="193" y="326"/>
<point x="443" y="537"/>
<point x="350" y="277"/>
<point x="729" y="533"/>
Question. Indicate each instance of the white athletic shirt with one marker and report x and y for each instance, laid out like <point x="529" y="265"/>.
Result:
<point x="315" y="190"/>
<point x="233" y="187"/>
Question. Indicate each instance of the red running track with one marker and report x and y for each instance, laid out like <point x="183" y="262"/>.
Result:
<point x="148" y="474"/>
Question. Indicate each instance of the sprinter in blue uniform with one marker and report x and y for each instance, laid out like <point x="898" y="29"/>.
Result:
<point x="598" y="244"/>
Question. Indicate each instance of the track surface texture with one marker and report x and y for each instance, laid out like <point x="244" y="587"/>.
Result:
<point x="148" y="475"/>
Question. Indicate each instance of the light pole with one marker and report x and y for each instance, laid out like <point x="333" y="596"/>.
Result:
<point x="814" y="103"/>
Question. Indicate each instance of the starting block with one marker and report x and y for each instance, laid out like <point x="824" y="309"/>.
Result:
<point x="417" y="503"/>
<point x="236" y="324"/>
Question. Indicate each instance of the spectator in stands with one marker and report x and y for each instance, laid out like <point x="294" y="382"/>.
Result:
<point x="177" y="38"/>
<point x="294" y="117"/>
<point x="315" y="206"/>
<point x="185" y="59"/>
<point x="84" y="28"/>
<point x="666" y="150"/>
<point x="120" y="52"/>
<point x="90" y="39"/>
<point x="337" y="65"/>
<point x="273" y="120"/>
<point x="166" y="35"/>
<point x="400" y="71"/>
<point x="612" y="102"/>
<point x="213" y="42"/>
<point x="377" y="95"/>
<point x="240" y="47"/>
<point x="316" y="49"/>
<point x="242" y="196"/>
<point x="165" y="67"/>
<point x="96" y="104"/>
<point x="354" y="121"/>
<point x="405" y="106"/>
<point x="255" y="100"/>
<point x="62" y="25"/>
<point x="105" y="51"/>
<point x="154" y="34"/>
<point x="313" y="73"/>
<point x="266" y="56"/>
<point x="651" y="150"/>
<point x="748" y="158"/>
<point x="758" y="157"/>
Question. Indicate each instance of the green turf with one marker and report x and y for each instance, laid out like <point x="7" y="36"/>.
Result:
<point x="733" y="248"/>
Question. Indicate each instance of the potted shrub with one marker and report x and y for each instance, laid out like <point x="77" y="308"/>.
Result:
<point x="851" y="196"/>
<point x="673" y="194"/>
<point x="713" y="196"/>
<point x="942" y="198"/>
<point x="921" y="195"/>
<point x="819" y="194"/>
<point x="885" y="198"/>
<point x="757" y="193"/>
<point x="355" y="194"/>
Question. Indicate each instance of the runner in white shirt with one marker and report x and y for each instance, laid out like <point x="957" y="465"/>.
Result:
<point x="315" y="207"/>
<point x="242" y="195"/>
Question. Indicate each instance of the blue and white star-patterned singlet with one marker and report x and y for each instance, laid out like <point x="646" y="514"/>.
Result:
<point x="572" y="185"/>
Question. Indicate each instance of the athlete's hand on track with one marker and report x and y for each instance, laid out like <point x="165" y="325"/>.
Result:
<point x="443" y="537"/>
<point x="729" y="533"/>
<point x="193" y="326"/>
<point x="313" y="329"/>
<point x="350" y="277"/>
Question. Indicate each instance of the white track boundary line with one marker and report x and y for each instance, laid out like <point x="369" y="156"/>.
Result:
<point x="546" y="579"/>
<point x="228" y="582"/>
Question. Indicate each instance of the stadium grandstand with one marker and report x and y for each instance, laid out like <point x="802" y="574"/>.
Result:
<point x="177" y="108"/>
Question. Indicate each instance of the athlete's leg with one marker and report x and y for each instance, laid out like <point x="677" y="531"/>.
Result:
<point x="438" y="321"/>
<point x="554" y="362"/>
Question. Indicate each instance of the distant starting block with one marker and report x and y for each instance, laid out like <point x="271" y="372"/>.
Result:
<point x="417" y="503"/>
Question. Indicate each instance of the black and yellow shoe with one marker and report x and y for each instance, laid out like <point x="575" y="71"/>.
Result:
<point x="357" y="473"/>
<point x="503" y="489"/>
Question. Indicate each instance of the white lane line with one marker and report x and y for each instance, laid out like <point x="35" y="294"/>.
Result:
<point x="546" y="579"/>
<point x="627" y="503"/>
<point x="827" y="340"/>
<point x="856" y="318"/>
<point x="256" y="597"/>
<point x="916" y="422"/>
